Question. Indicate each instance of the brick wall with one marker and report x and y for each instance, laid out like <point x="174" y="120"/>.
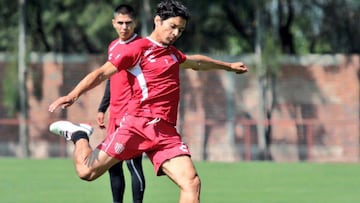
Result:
<point x="315" y="116"/>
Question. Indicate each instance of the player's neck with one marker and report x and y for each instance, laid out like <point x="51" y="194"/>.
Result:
<point x="157" y="39"/>
<point x="128" y="38"/>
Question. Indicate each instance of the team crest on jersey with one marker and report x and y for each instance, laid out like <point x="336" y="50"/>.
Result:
<point x="174" y="57"/>
<point x="184" y="147"/>
<point x="149" y="50"/>
<point x="150" y="57"/>
<point x="118" y="148"/>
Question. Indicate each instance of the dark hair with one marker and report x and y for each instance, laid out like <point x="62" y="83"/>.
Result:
<point x="125" y="10"/>
<point x="171" y="8"/>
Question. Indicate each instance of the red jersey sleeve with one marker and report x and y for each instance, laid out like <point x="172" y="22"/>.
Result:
<point x="124" y="57"/>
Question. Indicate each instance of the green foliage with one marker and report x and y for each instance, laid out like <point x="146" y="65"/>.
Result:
<point x="217" y="26"/>
<point x="271" y="55"/>
<point x="8" y="45"/>
<point x="8" y="26"/>
<point x="10" y="88"/>
<point x="235" y="46"/>
<point x="301" y="44"/>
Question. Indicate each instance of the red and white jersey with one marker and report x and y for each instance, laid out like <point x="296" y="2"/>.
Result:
<point x="120" y="91"/>
<point x="155" y="78"/>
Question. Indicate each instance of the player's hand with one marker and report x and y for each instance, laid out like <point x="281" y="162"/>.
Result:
<point x="100" y="120"/>
<point x="238" y="67"/>
<point x="62" y="102"/>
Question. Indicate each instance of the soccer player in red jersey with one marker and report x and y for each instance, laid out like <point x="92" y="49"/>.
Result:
<point x="149" y="123"/>
<point x="124" y="22"/>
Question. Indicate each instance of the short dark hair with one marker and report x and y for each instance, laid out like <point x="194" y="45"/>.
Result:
<point x="125" y="10"/>
<point x="171" y="8"/>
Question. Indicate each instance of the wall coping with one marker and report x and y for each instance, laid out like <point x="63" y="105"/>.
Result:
<point x="304" y="60"/>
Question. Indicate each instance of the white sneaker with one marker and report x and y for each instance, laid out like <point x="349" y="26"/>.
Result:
<point x="67" y="128"/>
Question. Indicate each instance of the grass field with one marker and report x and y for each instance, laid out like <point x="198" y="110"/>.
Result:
<point x="54" y="181"/>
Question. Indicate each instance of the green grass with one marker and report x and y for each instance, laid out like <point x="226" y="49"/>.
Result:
<point x="54" y="181"/>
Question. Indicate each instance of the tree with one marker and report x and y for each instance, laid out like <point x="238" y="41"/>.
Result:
<point x="22" y="73"/>
<point x="80" y="26"/>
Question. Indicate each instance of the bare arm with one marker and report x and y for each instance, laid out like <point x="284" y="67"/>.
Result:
<point x="201" y="62"/>
<point x="90" y="81"/>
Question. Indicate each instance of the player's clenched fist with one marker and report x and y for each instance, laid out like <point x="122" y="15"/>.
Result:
<point x="239" y="67"/>
<point x="62" y="102"/>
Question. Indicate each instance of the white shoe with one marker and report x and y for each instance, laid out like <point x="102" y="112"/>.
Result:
<point x="67" y="128"/>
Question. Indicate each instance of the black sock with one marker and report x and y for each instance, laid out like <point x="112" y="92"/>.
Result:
<point x="79" y="135"/>
<point x="137" y="179"/>
<point x="117" y="181"/>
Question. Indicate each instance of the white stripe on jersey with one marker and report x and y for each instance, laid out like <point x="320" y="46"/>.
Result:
<point x="137" y="72"/>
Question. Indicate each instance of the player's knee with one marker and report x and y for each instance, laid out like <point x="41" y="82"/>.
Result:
<point x="197" y="182"/>
<point x="85" y="175"/>
<point x="193" y="184"/>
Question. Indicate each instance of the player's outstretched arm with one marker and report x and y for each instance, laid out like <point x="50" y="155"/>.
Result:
<point x="201" y="62"/>
<point x="90" y="81"/>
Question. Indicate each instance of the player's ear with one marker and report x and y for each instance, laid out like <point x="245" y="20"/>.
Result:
<point x="157" y="20"/>
<point x="113" y="21"/>
<point x="136" y="22"/>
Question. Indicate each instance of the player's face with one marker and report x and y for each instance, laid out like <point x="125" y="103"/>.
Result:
<point x="169" y="30"/>
<point x="124" y="26"/>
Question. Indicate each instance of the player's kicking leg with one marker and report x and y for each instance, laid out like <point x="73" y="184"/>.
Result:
<point x="181" y="170"/>
<point x="89" y="164"/>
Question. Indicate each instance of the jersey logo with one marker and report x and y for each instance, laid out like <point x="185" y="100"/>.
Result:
<point x="184" y="147"/>
<point x="151" y="59"/>
<point x="147" y="53"/>
<point x="174" y="57"/>
<point x="118" y="148"/>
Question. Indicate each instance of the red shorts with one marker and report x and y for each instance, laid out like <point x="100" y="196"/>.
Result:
<point x="135" y="135"/>
<point x="113" y="123"/>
